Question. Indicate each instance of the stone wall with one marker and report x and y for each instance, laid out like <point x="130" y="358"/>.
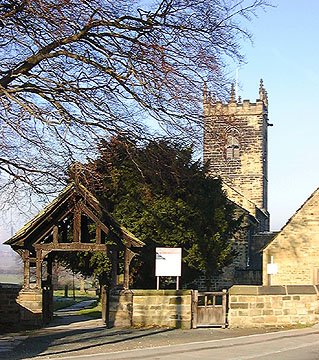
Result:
<point x="120" y="308"/>
<point x="167" y="308"/>
<point x="9" y="309"/>
<point x="272" y="306"/>
<point x="295" y="249"/>
<point x="247" y="277"/>
<point x="31" y="306"/>
<point x="170" y="308"/>
<point x="23" y="307"/>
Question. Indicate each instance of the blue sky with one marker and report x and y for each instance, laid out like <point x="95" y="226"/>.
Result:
<point x="285" y="54"/>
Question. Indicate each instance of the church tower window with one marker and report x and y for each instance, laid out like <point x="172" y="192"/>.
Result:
<point x="232" y="148"/>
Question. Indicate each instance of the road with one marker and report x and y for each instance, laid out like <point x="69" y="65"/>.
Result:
<point x="74" y="336"/>
<point x="301" y="344"/>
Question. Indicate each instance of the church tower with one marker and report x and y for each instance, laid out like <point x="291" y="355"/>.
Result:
<point x="235" y="147"/>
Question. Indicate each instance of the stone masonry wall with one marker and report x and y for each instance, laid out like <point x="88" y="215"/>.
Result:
<point x="9" y="309"/>
<point x="295" y="249"/>
<point x="20" y="306"/>
<point x="167" y="308"/>
<point x="248" y="173"/>
<point x="272" y="306"/>
<point x="172" y="308"/>
<point x="31" y="307"/>
<point x="120" y="308"/>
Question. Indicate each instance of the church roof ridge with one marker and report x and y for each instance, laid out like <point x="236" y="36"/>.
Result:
<point x="253" y="205"/>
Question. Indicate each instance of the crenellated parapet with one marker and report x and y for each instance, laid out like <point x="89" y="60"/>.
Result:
<point x="235" y="143"/>
<point x="213" y="107"/>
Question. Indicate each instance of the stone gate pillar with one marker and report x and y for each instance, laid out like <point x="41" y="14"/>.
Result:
<point x="30" y="296"/>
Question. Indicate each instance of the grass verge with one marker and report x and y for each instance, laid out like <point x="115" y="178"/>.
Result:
<point x="61" y="302"/>
<point x="94" y="312"/>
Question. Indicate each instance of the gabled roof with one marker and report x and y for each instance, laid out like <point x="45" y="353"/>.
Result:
<point x="65" y="195"/>
<point x="266" y="238"/>
<point x="63" y="205"/>
<point x="316" y="192"/>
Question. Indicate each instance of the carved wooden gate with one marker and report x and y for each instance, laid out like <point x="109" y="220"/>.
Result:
<point x="210" y="309"/>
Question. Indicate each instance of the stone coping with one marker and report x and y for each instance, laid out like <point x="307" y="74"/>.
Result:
<point x="274" y="290"/>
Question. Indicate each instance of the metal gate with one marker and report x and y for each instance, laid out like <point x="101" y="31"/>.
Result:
<point x="210" y="309"/>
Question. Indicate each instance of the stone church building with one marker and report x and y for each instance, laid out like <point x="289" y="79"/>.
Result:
<point x="235" y="147"/>
<point x="294" y="251"/>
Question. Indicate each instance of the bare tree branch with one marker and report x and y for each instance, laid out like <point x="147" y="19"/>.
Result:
<point x="73" y="72"/>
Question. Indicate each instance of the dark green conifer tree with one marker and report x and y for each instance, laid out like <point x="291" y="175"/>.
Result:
<point x="165" y="198"/>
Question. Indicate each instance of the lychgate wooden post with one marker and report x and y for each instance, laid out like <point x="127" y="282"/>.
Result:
<point x="38" y="268"/>
<point x="128" y="256"/>
<point x="26" y="269"/>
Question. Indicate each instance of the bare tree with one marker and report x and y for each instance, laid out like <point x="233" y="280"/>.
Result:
<point x="75" y="71"/>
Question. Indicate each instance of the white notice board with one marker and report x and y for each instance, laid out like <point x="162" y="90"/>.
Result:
<point x="272" y="269"/>
<point x="168" y="262"/>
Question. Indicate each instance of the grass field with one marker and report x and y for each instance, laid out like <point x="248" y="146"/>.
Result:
<point x="11" y="279"/>
<point x="94" y="312"/>
<point x="77" y="293"/>
<point x="60" y="301"/>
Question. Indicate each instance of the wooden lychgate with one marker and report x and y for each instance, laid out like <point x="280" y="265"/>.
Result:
<point x="74" y="221"/>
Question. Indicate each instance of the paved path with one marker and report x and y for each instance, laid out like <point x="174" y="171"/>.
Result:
<point x="63" y="318"/>
<point x="70" y="315"/>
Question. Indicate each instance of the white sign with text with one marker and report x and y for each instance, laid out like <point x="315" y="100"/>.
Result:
<point x="272" y="269"/>
<point x="168" y="262"/>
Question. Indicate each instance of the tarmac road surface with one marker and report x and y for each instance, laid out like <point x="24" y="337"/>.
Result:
<point x="286" y="345"/>
<point x="74" y="336"/>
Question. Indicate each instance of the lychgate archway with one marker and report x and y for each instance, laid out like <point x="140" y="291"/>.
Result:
<point x="64" y="226"/>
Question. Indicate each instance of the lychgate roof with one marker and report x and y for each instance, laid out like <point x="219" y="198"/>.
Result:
<point x="50" y="228"/>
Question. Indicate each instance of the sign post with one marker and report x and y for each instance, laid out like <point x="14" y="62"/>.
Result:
<point x="272" y="269"/>
<point x="168" y="263"/>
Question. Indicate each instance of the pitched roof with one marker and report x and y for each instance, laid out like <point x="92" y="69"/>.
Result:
<point x="316" y="192"/>
<point x="63" y="202"/>
<point x="238" y="198"/>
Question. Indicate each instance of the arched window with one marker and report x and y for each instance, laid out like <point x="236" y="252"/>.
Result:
<point x="232" y="147"/>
